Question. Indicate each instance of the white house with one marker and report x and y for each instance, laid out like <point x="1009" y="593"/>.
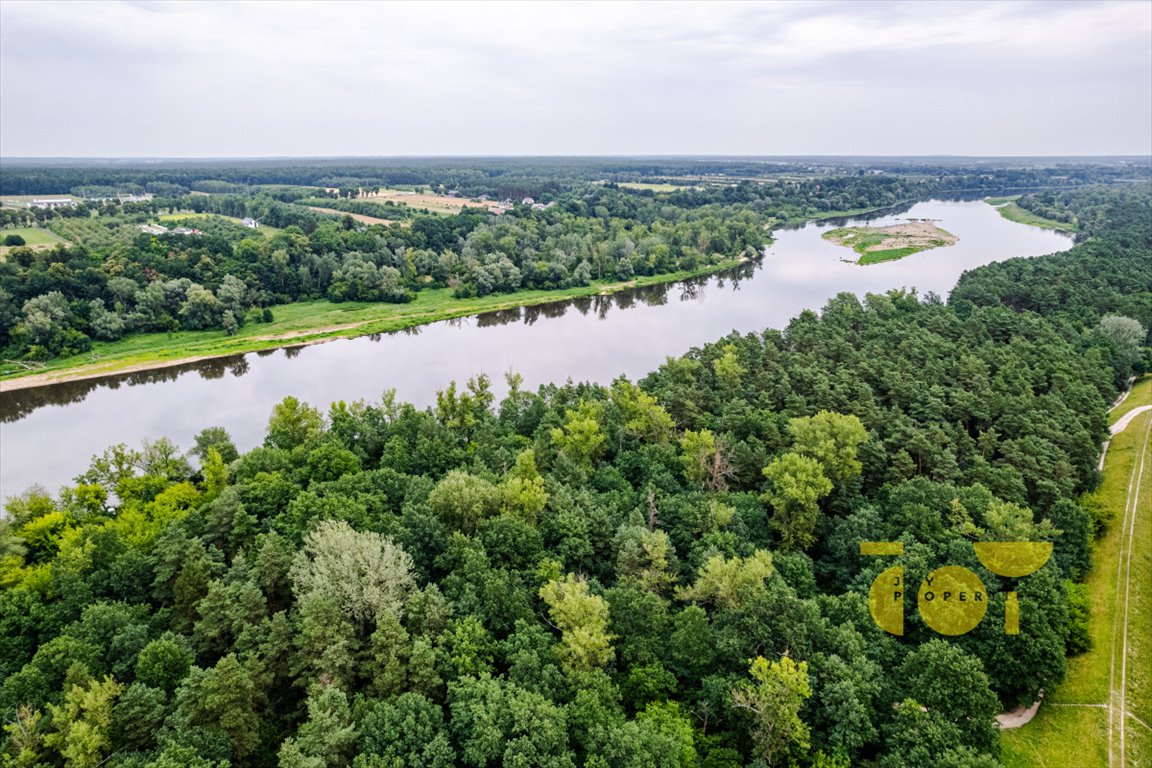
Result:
<point x="250" y="223"/>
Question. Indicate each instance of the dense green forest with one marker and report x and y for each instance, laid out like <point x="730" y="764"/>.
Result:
<point x="117" y="278"/>
<point x="655" y="573"/>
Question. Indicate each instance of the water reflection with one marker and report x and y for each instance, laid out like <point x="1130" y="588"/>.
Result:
<point x="50" y="432"/>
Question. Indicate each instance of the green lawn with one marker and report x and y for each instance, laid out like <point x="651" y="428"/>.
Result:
<point x="34" y="237"/>
<point x="312" y="321"/>
<point x="665" y="187"/>
<point x="1058" y="732"/>
<point x="1013" y="212"/>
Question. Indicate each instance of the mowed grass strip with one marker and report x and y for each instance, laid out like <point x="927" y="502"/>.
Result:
<point x="1059" y="732"/>
<point x="1140" y="394"/>
<point x="307" y="322"/>
<point x="1055" y="735"/>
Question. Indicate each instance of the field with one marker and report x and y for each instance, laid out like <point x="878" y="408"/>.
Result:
<point x="877" y="244"/>
<point x="1102" y="711"/>
<point x="664" y="187"/>
<point x="1013" y="212"/>
<point x="299" y="323"/>
<point x="421" y="201"/>
<point x="360" y="217"/>
<point x="34" y="237"/>
<point x="169" y="218"/>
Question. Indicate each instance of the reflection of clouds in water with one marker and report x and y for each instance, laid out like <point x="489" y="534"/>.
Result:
<point x="545" y="343"/>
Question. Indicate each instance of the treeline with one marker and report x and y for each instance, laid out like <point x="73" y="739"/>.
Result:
<point x="54" y="303"/>
<point x="662" y="574"/>
<point x="517" y="177"/>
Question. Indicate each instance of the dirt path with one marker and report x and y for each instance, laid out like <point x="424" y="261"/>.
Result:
<point x="1126" y="419"/>
<point x="1117" y="695"/>
<point x="1014" y="718"/>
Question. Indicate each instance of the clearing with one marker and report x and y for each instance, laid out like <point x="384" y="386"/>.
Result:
<point x="1102" y="711"/>
<point x="876" y="244"/>
<point x="34" y="237"/>
<point x="360" y="217"/>
<point x="421" y="201"/>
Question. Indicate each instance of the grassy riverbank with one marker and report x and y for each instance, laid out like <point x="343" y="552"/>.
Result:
<point x="1009" y="210"/>
<point x="1075" y="719"/>
<point x="301" y="323"/>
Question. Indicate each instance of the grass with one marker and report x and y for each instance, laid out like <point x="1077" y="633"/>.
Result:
<point x="1060" y="731"/>
<point x="306" y="322"/>
<point x="1013" y="212"/>
<point x="1141" y="394"/>
<point x="34" y="237"/>
<point x="1001" y="200"/>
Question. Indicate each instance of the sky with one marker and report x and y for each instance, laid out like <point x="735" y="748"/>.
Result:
<point x="261" y="79"/>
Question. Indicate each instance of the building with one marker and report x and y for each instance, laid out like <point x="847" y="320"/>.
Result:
<point x="527" y="201"/>
<point x="250" y="223"/>
<point x="153" y="229"/>
<point x="51" y="203"/>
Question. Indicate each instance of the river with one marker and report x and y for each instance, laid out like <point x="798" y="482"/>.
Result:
<point x="48" y="434"/>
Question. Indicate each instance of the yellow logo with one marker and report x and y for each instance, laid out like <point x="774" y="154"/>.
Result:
<point x="952" y="600"/>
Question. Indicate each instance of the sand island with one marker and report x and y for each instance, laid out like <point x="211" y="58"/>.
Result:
<point x="876" y="244"/>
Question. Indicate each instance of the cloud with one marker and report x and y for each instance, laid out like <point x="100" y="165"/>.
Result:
<point x="303" y="78"/>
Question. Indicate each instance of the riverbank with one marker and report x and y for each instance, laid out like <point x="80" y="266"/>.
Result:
<point x="1009" y="210"/>
<point x="305" y="323"/>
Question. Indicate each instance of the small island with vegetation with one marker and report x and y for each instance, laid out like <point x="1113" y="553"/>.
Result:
<point x="877" y="244"/>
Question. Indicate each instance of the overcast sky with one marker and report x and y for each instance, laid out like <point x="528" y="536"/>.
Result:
<point x="232" y="79"/>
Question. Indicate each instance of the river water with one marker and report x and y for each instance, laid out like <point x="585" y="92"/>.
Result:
<point x="48" y="434"/>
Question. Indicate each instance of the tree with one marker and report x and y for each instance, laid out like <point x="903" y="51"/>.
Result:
<point x="83" y="723"/>
<point x="14" y="241"/>
<point x="201" y="309"/>
<point x="832" y="439"/>
<point x="293" y="423"/>
<point x="363" y="573"/>
<point x="463" y="501"/>
<point x="326" y="738"/>
<point x="583" y="622"/>
<point x="945" y="679"/>
<point x="730" y="583"/>
<point x="774" y="698"/>
<point x="408" y="731"/>
<point x="797" y="483"/>
<point x="581" y="438"/>
<point x="1127" y="332"/>
<point x="218" y="706"/>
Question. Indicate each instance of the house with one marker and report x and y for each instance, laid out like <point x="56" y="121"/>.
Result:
<point x="250" y="223"/>
<point x="52" y="203"/>
<point x="496" y="209"/>
<point x="186" y="231"/>
<point x="153" y="229"/>
<point x="527" y="201"/>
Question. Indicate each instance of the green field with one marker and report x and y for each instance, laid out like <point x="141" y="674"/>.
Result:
<point x="34" y="237"/>
<point x="305" y="322"/>
<point x="1013" y="212"/>
<point x="1075" y="718"/>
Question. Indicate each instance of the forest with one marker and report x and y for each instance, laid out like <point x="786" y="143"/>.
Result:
<point x="664" y="572"/>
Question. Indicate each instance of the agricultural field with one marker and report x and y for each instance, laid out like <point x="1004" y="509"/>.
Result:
<point x="98" y="232"/>
<point x="421" y="200"/>
<point x="360" y="217"/>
